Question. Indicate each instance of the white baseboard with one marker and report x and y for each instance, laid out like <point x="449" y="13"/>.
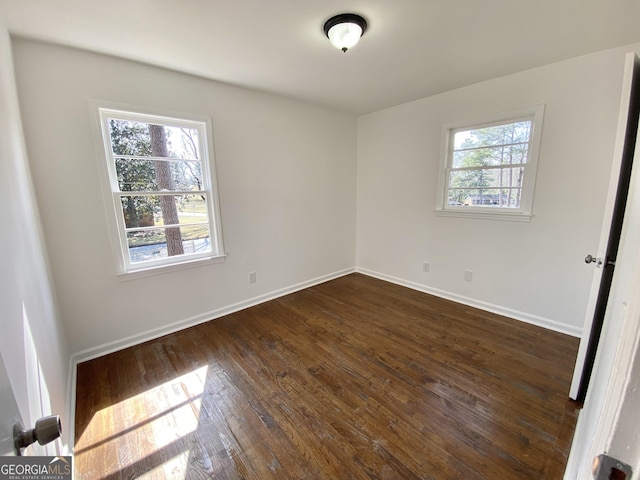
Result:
<point x="489" y="307"/>
<point x="132" y="340"/>
<point x="142" y="337"/>
<point x="71" y="408"/>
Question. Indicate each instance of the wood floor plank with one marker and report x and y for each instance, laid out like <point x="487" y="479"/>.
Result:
<point x="354" y="378"/>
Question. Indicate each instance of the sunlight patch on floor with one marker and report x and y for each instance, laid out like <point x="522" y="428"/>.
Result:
<point x="142" y="431"/>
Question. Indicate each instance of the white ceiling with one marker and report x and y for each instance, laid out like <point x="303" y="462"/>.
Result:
<point x="412" y="49"/>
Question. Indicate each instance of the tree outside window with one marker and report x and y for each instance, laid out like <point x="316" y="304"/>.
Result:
<point x="161" y="189"/>
<point x="490" y="164"/>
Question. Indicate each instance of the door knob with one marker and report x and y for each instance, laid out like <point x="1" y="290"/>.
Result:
<point x="47" y="429"/>
<point x="592" y="259"/>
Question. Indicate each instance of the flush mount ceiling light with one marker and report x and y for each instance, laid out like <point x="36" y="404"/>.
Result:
<point x="344" y="30"/>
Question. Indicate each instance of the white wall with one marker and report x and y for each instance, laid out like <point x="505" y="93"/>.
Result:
<point x="532" y="271"/>
<point x="32" y="341"/>
<point x="286" y="173"/>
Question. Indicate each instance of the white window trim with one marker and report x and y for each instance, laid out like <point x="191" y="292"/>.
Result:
<point x="522" y="214"/>
<point x="125" y="269"/>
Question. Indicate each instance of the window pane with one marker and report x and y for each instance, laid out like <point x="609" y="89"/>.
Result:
<point x="515" y="154"/>
<point x="483" y="198"/>
<point x="491" y="197"/>
<point x="509" y="177"/>
<point x="137" y="174"/>
<point x="468" y="179"/>
<point x="486" y="178"/>
<point x="147" y="244"/>
<point x="491" y="156"/>
<point x="489" y="162"/>
<point x="156" y="210"/>
<point x="509" y="133"/>
<point x="152" y="244"/>
<point x="130" y="138"/>
<point x="182" y="142"/>
<point x="161" y="188"/>
<point x="457" y="196"/>
<point x="196" y="239"/>
<point x="141" y="139"/>
<point x="510" y="197"/>
<point x="140" y="211"/>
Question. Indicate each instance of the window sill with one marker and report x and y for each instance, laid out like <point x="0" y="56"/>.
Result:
<point x="477" y="214"/>
<point x="160" y="269"/>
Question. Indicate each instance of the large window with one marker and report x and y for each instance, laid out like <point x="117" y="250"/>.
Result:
<point x="161" y="188"/>
<point x="489" y="166"/>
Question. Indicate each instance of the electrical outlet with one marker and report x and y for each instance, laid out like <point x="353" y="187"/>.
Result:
<point x="468" y="275"/>
<point x="426" y="267"/>
<point x="252" y="277"/>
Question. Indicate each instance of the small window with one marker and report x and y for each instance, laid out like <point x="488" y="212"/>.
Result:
<point x="489" y="166"/>
<point x="161" y="189"/>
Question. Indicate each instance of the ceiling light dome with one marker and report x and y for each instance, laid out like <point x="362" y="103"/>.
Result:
<point x="344" y="30"/>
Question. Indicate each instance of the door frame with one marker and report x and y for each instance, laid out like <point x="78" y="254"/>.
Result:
<point x="612" y="225"/>
<point x="614" y="366"/>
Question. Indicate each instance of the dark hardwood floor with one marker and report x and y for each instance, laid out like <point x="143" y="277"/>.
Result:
<point x="351" y="379"/>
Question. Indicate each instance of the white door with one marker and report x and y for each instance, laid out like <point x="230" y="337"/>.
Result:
<point x="605" y="257"/>
<point x="608" y="423"/>
<point x="9" y="412"/>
